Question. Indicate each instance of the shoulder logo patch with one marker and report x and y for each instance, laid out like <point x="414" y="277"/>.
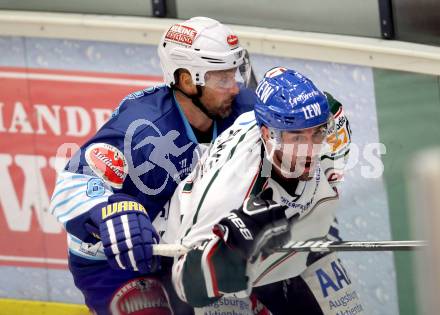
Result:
<point x="275" y="72"/>
<point x="108" y="163"/>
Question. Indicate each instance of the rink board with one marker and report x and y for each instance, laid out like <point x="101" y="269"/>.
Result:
<point x="77" y="84"/>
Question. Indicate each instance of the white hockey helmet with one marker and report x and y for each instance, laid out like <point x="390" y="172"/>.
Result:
<point x="199" y="45"/>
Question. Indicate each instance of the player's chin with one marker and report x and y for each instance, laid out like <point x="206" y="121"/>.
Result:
<point x="225" y="111"/>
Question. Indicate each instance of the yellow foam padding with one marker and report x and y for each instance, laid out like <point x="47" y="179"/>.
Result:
<point x="24" y="307"/>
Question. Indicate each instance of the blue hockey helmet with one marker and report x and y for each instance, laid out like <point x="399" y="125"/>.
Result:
<point x="287" y="100"/>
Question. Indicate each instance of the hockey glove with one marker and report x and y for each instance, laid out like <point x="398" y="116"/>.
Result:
<point x="218" y="266"/>
<point x="249" y="229"/>
<point x="126" y="232"/>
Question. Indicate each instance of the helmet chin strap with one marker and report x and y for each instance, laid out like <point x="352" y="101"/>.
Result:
<point x="197" y="102"/>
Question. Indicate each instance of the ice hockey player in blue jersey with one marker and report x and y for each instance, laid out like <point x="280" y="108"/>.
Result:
<point x="117" y="184"/>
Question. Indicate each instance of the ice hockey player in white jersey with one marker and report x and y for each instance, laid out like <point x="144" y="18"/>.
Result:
<point x="279" y="167"/>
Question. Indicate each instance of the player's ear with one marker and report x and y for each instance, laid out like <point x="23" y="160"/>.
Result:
<point x="265" y="133"/>
<point x="186" y="83"/>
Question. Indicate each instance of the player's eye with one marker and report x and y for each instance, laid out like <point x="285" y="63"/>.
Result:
<point x="298" y="138"/>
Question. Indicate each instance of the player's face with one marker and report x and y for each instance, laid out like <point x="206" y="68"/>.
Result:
<point x="219" y="91"/>
<point x="299" y="151"/>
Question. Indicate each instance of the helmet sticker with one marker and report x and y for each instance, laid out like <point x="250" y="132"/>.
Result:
<point x="264" y="91"/>
<point x="311" y="111"/>
<point x="108" y="163"/>
<point x="181" y="34"/>
<point x="274" y="72"/>
<point x="303" y="97"/>
<point x="232" y="40"/>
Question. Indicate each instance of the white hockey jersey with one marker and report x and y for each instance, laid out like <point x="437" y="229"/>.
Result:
<point x="231" y="170"/>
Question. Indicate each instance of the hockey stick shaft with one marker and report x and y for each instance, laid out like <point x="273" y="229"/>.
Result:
<point x="172" y="250"/>
<point x="341" y="246"/>
<point x="169" y="250"/>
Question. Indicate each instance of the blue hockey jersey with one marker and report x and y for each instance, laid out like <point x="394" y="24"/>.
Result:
<point x="144" y="150"/>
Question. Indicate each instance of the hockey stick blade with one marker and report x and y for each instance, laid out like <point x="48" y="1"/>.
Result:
<point x="342" y="246"/>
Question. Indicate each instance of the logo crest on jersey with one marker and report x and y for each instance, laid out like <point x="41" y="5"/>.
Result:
<point x="232" y="40"/>
<point x="108" y="163"/>
<point x="140" y="296"/>
<point x="181" y="34"/>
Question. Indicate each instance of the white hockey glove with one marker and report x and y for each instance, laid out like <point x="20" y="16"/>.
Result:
<point x="218" y="266"/>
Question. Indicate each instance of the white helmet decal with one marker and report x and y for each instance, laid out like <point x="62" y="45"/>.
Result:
<point x="181" y="34"/>
<point x="232" y="40"/>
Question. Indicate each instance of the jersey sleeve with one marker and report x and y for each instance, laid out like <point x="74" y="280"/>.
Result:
<point x="202" y="200"/>
<point x="95" y="172"/>
<point x="98" y="170"/>
<point x="204" y="197"/>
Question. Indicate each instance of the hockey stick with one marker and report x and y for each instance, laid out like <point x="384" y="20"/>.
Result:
<point x="172" y="250"/>
<point x="349" y="246"/>
<point x="169" y="250"/>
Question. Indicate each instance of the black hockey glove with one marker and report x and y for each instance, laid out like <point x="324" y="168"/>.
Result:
<point x="252" y="228"/>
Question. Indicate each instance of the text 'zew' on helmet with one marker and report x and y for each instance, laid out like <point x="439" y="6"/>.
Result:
<point x="199" y="45"/>
<point x="288" y="101"/>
